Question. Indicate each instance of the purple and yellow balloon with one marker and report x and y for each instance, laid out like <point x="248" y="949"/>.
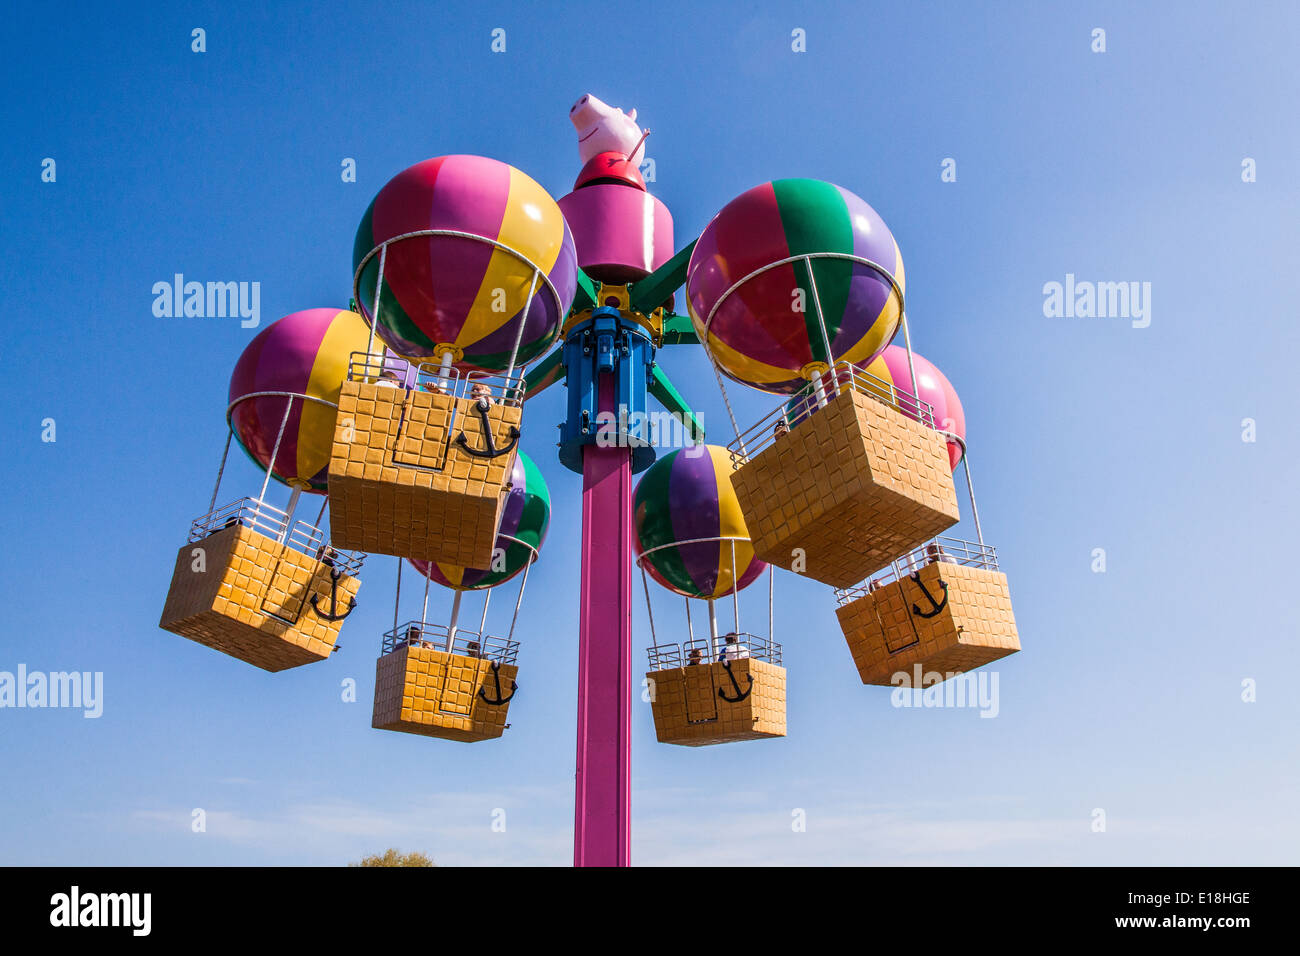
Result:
<point x="524" y="520"/>
<point x="765" y="332"/>
<point x="461" y="294"/>
<point x="304" y="354"/>
<point x="683" y="497"/>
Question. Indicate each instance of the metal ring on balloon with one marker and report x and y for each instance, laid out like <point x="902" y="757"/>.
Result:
<point x="382" y="249"/>
<point x="460" y="592"/>
<point x="735" y="581"/>
<point x="296" y="484"/>
<point x="821" y="319"/>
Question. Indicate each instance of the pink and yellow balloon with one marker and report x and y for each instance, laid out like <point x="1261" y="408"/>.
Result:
<point x="303" y="354"/>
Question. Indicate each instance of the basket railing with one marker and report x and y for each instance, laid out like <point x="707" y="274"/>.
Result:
<point x="704" y="650"/>
<point x="387" y="369"/>
<point x="464" y="642"/>
<point x="940" y="550"/>
<point x="842" y="377"/>
<point x="265" y="518"/>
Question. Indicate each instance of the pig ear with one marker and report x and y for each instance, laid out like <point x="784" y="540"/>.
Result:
<point x="632" y="115"/>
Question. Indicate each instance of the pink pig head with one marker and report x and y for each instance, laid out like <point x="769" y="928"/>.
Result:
<point x="603" y="128"/>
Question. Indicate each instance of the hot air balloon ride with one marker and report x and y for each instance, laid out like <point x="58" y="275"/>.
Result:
<point x="795" y="287"/>
<point x="449" y="680"/>
<point x="251" y="581"/>
<point x="465" y="267"/>
<point x="691" y="539"/>
<point x="405" y="413"/>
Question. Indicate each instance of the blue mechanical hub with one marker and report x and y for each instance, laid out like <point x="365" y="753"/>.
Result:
<point x="607" y="347"/>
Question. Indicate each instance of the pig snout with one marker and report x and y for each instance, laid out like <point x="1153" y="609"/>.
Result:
<point x="588" y="111"/>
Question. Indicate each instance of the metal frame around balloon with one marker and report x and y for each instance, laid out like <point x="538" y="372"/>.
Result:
<point x="382" y="250"/>
<point x="806" y="258"/>
<point x="449" y="632"/>
<point x="258" y="514"/>
<point x="757" y="646"/>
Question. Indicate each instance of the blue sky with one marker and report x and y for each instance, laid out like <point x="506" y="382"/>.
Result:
<point x="1084" y="433"/>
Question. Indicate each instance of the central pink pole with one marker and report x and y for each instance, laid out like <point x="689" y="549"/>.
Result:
<point x="602" y="834"/>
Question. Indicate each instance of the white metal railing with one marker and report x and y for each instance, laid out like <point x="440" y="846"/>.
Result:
<point x="940" y="550"/>
<point x="442" y="379"/>
<point x="707" y="651"/>
<point x="842" y="377"/>
<point x="271" y="521"/>
<point x="466" y="643"/>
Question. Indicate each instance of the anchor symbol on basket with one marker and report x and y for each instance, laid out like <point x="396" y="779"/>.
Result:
<point x="936" y="606"/>
<point x="333" y="614"/>
<point x="496" y="677"/>
<point x="740" y="695"/>
<point x="481" y="406"/>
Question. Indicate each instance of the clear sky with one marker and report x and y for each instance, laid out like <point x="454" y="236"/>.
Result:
<point x="1085" y="433"/>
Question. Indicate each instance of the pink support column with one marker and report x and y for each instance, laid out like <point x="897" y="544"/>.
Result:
<point x="602" y="791"/>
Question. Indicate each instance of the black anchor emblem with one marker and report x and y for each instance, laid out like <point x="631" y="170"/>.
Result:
<point x="936" y="605"/>
<point x="740" y="695"/>
<point x="496" y="677"/>
<point x="333" y="614"/>
<point x="491" y="451"/>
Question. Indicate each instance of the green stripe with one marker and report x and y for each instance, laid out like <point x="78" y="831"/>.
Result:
<point x="815" y="219"/>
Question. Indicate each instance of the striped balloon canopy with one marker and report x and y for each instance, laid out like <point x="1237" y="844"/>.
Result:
<point x="303" y="354"/>
<point x="765" y="333"/>
<point x="525" y="517"/>
<point x="893" y="380"/>
<point x="684" y="496"/>
<point x="461" y="294"/>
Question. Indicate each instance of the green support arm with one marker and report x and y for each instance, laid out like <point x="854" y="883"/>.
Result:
<point x="662" y="389"/>
<point x="678" y="330"/>
<point x="653" y="291"/>
<point x="586" y="295"/>
<point x="544" y="374"/>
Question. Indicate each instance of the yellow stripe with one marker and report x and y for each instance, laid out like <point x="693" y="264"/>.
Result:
<point x="731" y="524"/>
<point x="743" y="367"/>
<point x="533" y="225"/>
<point x="347" y="333"/>
<point x="884" y="324"/>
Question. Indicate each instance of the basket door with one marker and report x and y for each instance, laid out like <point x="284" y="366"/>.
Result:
<point x="895" y="618"/>
<point x="459" y="686"/>
<point x="286" y="592"/>
<point x="701" y="694"/>
<point x="423" y="431"/>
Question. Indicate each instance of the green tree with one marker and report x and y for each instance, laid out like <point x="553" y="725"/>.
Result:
<point x="393" y="857"/>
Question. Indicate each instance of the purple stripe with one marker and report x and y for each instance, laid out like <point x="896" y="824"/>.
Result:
<point x="693" y="504"/>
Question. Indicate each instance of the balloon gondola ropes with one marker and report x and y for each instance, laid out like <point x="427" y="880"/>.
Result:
<point x="937" y="612"/>
<point x="448" y="680"/>
<point x="251" y="582"/>
<point x="792" y="285"/>
<point x="716" y="689"/>
<point x="691" y="538"/>
<point x="465" y="267"/>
